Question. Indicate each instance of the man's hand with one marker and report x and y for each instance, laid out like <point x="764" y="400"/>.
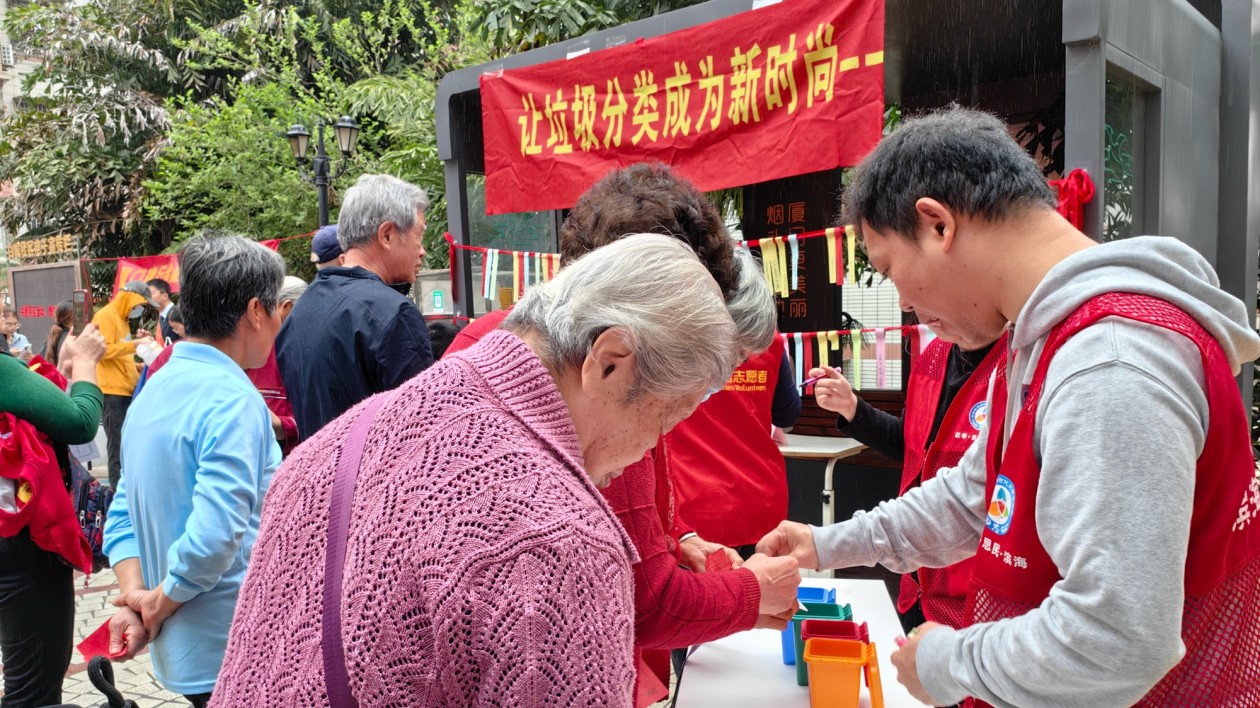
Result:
<point x="142" y="333"/>
<point x="834" y="393"/>
<point x="905" y="659"/>
<point x="778" y="579"/>
<point x="153" y="605"/>
<point x="791" y="539"/>
<point x="696" y="550"/>
<point x="126" y="634"/>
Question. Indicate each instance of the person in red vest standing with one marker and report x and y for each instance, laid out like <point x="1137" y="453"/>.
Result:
<point x="946" y="405"/>
<point x="1111" y="500"/>
<point x="729" y="476"/>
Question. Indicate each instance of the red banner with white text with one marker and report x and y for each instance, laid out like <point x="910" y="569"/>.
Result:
<point x="783" y="90"/>
<point x="166" y="267"/>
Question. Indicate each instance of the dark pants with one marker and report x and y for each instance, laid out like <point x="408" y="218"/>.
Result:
<point x="36" y="622"/>
<point x="112" y="418"/>
<point x="201" y="700"/>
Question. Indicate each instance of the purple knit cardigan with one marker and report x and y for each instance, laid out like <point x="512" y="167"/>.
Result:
<point x="482" y="566"/>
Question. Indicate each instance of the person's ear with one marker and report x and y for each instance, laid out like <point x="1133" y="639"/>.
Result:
<point x="937" y="221"/>
<point x="610" y="368"/>
<point x="255" y="312"/>
<point x="387" y="233"/>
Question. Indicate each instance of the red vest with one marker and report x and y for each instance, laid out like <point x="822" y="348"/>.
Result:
<point x="729" y="477"/>
<point x="1219" y="625"/>
<point x="943" y="590"/>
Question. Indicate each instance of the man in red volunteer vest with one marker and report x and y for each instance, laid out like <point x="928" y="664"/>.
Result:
<point x="1111" y="500"/>
<point x="946" y="405"/>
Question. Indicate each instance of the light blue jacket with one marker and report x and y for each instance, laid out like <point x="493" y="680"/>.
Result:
<point x="199" y="452"/>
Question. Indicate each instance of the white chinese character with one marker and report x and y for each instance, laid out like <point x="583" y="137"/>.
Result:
<point x="1006" y="558"/>
<point x="987" y="543"/>
<point x="1251" y="498"/>
<point x="1021" y="562"/>
<point x="997" y="549"/>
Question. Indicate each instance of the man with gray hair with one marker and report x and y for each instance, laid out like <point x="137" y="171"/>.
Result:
<point x="354" y="333"/>
<point x="181" y="528"/>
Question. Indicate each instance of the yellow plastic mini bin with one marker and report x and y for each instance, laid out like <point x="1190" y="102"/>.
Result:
<point x="835" y="670"/>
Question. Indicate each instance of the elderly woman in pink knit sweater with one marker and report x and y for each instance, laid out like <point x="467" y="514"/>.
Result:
<point x="481" y="565"/>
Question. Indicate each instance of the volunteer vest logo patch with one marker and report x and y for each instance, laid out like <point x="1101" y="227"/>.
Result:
<point x="979" y="413"/>
<point x="1001" y="506"/>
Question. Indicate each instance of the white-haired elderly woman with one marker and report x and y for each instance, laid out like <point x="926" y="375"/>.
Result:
<point x="473" y="561"/>
<point x="267" y="379"/>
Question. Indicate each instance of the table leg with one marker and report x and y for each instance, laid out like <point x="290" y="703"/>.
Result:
<point x="829" y="509"/>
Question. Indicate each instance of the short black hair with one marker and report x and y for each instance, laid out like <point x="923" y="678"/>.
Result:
<point x="219" y="275"/>
<point x="963" y="158"/>
<point x="441" y="334"/>
<point x="175" y="315"/>
<point x="161" y="285"/>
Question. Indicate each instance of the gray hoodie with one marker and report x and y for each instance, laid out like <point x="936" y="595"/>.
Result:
<point x="1120" y="424"/>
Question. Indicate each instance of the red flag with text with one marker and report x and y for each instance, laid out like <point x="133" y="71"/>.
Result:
<point x="166" y="267"/>
<point x="783" y="90"/>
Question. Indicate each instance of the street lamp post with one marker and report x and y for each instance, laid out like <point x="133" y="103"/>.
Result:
<point x="346" y="131"/>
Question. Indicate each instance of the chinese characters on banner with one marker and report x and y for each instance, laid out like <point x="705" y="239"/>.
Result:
<point x="166" y="267"/>
<point x="783" y="90"/>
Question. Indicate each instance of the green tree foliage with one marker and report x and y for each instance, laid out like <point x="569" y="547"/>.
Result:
<point x="94" y="113"/>
<point x="512" y="26"/>
<point x="227" y="166"/>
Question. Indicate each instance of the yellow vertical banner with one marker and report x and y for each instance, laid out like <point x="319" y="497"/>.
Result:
<point x="516" y="277"/>
<point x="767" y="261"/>
<point x="831" y="255"/>
<point x="824" y="349"/>
<point x="784" y="284"/>
<point x="857" y="359"/>
<point x="851" y="234"/>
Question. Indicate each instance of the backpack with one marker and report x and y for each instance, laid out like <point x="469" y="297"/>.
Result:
<point x="91" y="504"/>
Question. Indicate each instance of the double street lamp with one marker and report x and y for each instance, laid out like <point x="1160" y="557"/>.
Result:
<point x="346" y="132"/>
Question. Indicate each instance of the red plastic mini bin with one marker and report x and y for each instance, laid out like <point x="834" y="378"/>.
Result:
<point x="834" y="629"/>
<point x="835" y="669"/>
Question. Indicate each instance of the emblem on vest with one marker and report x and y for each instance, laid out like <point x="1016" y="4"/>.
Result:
<point x="1001" y="506"/>
<point x="979" y="413"/>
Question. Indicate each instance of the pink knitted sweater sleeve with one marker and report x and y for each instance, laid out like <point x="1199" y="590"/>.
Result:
<point x="544" y="640"/>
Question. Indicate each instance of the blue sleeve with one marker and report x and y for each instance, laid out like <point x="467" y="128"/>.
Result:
<point x="120" y="541"/>
<point x="786" y="406"/>
<point x="404" y="349"/>
<point x="234" y="454"/>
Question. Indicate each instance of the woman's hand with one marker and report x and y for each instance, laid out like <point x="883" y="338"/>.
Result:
<point x="696" y="551"/>
<point x="89" y="346"/>
<point x="835" y="393"/>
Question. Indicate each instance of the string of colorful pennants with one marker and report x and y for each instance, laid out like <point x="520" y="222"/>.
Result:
<point x="809" y="350"/>
<point x="782" y="269"/>
<point x="528" y="268"/>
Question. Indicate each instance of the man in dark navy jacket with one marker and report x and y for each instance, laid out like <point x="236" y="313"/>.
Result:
<point x="355" y="333"/>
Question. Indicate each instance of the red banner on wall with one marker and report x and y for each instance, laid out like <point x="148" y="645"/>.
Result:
<point x="166" y="267"/>
<point x="779" y="91"/>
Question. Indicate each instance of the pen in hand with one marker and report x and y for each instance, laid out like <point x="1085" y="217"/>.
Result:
<point x="813" y="379"/>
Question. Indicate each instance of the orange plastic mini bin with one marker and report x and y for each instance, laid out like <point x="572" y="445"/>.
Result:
<point x="835" y="669"/>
